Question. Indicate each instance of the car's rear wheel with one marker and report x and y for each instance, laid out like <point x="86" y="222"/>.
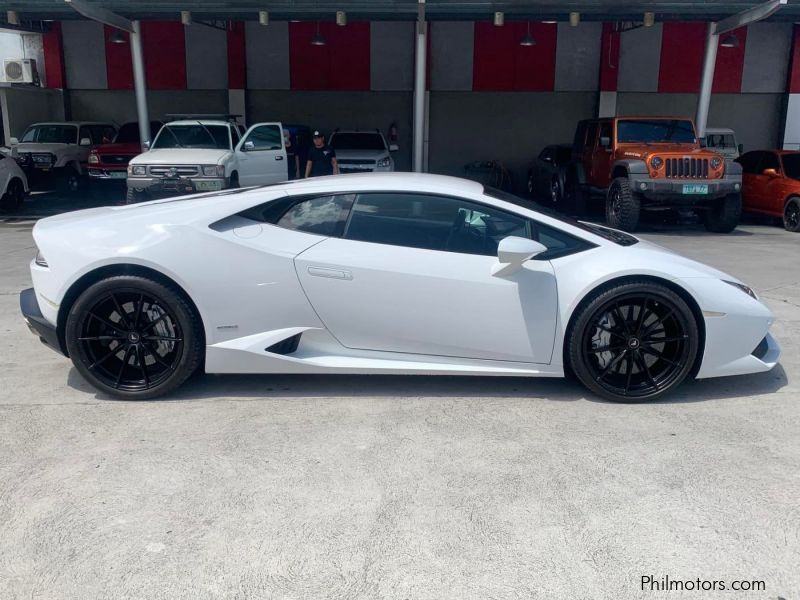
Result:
<point x="133" y="196"/>
<point x="133" y="337"/>
<point x="791" y="215"/>
<point x="634" y="342"/>
<point x="14" y="196"/>
<point x="531" y="186"/>
<point x="69" y="180"/>
<point x="724" y="213"/>
<point x="623" y="205"/>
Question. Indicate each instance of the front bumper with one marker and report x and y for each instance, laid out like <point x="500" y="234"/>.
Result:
<point x="159" y="186"/>
<point x="671" y="192"/>
<point x="104" y="174"/>
<point x="36" y="322"/>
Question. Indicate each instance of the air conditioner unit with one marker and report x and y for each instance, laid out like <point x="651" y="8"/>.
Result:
<point x="21" y="70"/>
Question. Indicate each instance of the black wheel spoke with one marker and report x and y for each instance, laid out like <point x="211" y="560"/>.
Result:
<point x="157" y="358"/>
<point x="652" y="341"/>
<point x="660" y="356"/>
<point x="630" y="372"/>
<point x="611" y="331"/>
<point x="606" y="349"/>
<point x="643" y="366"/>
<point x="618" y="314"/>
<point x="161" y="338"/>
<point x="122" y="314"/>
<point x="642" y="312"/>
<point x="611" y="365"/>
<point x="152" y="324"/>
<point x="101" y="338"/>
<point x="105" y="357"/>
<point x="138" y="311"/>
<point x="105" y="322"/>
<point x="125" y="360"/>
<point x="142" y="366"/>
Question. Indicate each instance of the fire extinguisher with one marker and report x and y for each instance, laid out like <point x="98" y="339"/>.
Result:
<point x="393" y="133"/>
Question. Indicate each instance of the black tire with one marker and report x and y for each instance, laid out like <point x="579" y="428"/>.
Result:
<point x="575" y="197"/>
<point x="724" y="214"/>
<point x="152" y="357"/>
<point x="234" y="181"/>
<point x="133" y="196"/>
<point x="791" y="215"/>
<point x="613" y="344"/>
<point x="14" y="196"/>
<point x="623" y="205"/>
<point x="69" y="180"/>
<point x="531" y="185"/>
<point x="556" y="194"/>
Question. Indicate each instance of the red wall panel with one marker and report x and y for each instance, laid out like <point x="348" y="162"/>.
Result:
<point x="119" y="69"/>
<point x="341" y="64"/>
<point x="682" y="49"/>
<point x="793" y="85"/>
<point x="54" y="57"/>
<point x="730" y="65"/>
<point x="609" y="58"/>
<point x="164" y="49"/>
<point x="501" y="64"/>
<point x="237" y="57"/>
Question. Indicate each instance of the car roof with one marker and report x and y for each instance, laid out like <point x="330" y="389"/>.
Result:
<point x="73" y="123"/>
<point x="718" y="130"/>
<point x="372" y="131"/>
<point x="384" y="182"/>
<point x="198" y="121"/>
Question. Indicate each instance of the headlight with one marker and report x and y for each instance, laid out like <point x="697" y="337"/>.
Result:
<point x="136" y="170"/>
<point x="385" y="162"/>
<point x="740" y="286"/>
<point x="39" y="260"/>
<point x="656" y="162"/>
<point x="93" y="159"/>
<point x="716" y="163"/>
<point x="213" y="171"/>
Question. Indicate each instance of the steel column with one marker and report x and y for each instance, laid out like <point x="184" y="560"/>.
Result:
<point x="139" y="85"/>
<point x="707" y="81"/>
<point x="419" y="90"/>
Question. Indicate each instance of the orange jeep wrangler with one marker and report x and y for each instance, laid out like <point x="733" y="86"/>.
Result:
<point x="651" y="163"/>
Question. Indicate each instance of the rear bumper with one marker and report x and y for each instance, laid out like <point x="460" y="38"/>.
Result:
<point x="36" y="322"/>
<point x="667" y="192"/>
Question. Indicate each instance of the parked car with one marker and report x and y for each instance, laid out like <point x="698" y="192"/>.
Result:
<point x="13" y="182"/>
<point x="204" y="155"/>
<point x="547" y="173"/>
<point x="652" y="163"/>
<point x="381" y="274"/>
<point x="60" y="151"/>
<point x="362" y="151"/>
<point x="109" y="162"/>
<point x="723" y="142"/>
<point x="771" y="185"/>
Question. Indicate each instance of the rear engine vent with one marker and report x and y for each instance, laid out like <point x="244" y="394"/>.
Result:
<point x="761" y="349"/>
<point x="286" y="346"/>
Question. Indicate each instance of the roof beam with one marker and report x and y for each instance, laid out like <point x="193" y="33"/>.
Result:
<point x="751" y="15"/>
<point x="95" y="13"/>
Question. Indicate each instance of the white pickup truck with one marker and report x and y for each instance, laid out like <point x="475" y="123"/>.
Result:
<point x="205" y="155"/>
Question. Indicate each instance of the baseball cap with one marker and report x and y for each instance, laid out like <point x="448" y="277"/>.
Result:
<point x="317" y="133"/>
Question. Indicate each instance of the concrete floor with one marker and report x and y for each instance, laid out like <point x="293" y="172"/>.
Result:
<point x="401" y="487"/>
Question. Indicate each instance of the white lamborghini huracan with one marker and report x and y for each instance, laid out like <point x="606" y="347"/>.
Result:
<point x="380" y="273"/>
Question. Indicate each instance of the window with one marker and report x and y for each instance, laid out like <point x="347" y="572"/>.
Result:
<point x="193" y="136"/>
<point x="655" y="130"/>
<point x="750" y="161"/>
<point x="324" y="215"/>
<point x="432" y="223"/>
<point x="591" y="135"/>
<point x="791" y="165"/>
<point x="563" y="155"/>
<point x="358" y="141"/>
<point x="101" y="134"/>
<point x="266" y="137"/>
<point x="769" y="161"/>
<point x="51" y="134"/>
<point x="235" y="135"/>
<point x="605" y="131"/>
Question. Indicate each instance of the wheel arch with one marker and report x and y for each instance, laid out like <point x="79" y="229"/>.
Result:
<point x="684" y="294"/>
<point x="104" y="272"/>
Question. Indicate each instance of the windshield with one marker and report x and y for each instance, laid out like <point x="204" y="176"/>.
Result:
<point x="357" y="141"/>
<point x="791" y="165"/>
<point x="623" y="239"/>
<point x="657" y="130"/>
<point x="193" y="136"/>
<point x="720" y="140"/>
<point x="51" y="134"/>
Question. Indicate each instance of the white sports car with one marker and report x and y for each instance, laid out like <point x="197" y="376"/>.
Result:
<point x="380" y="273"/>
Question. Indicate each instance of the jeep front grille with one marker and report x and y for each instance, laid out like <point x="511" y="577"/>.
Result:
<point x="687" y="168"/>
<point x="179" y="171"/>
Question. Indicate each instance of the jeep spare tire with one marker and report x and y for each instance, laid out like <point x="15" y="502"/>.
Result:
<point x="623" y="205"/>
<point x="724" y="213"/>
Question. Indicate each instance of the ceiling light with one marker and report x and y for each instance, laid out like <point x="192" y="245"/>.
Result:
<point x="186" y="17"/>
<point x="341" y="18"/>
<point x="263" y="17"/>
<point x="12" y="17"/>
<point x="117" y="37"/>
<point x="574" y="18"/>
<point x="499" y="19"/>
<point x="549" y="22"/>
<point x="730" y="41"/>
<point x="317" y="39"/>
<point x="649" y="19"/>
<point x="528" y="39"/>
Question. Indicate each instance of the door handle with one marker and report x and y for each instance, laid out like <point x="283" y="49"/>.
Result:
<point x="279" y="157"/>
<point x="330" y="273"/>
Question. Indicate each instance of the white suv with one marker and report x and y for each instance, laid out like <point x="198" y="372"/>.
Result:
<point x="206" y="155"/>
<point x="362" y="151"/>
<point x="61" y="150"/>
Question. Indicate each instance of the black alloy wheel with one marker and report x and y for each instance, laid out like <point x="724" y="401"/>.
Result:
<point x="791" y="215"/>
<point x="634" y="342"/>
<point x="14" y="196"/>
<point x="133" y="337"/>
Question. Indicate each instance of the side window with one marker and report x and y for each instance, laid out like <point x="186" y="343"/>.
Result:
<point x="107" y="134"/>
<point x="750" y="161"/>
<point x="265" y="137"/>
<point x="769" y="161"/>
<point x="431" y="223"/>
<point x="558" y="243"/>
<point x="605" y="131"/>
<point x="235" y="135"/>
<point x="85" y="132"/>
<point x="591" y="135"/>
<point x="325" y="215"/>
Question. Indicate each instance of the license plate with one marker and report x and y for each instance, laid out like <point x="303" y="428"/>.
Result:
<point x="117" y="174"/>
<point x="695" y="188"/>
<point x="207" y="186"/>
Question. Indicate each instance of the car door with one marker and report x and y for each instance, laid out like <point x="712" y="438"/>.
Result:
<point x="261" y="155"/>
<point x="603" y="156"/>
<point x="750" y="180"/>
<point x="770" y="187"/>
<point x="411" y="273"/>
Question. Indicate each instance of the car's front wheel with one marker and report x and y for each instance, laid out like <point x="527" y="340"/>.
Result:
<point x="623" y="205"/>
<point x="724" y="214"/>
<point x="69" y="180"/>
<point x="791" y="215"/>
<point x="133" y="196"/>
<point x="14" y="196"/>
<point x="633" y="342"/>
<point x="133" y="337"/>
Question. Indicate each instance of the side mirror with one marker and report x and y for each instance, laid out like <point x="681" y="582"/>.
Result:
<point x="605" y="141"/>
<point x="13" y="141"/>
<point x="146" y="146"/>
<point x="248" y="145"/>
<point x="393" y="147"/>
<point x="771" y="173"/>
<point x="740" y="148"/>
<point x="85" y="142"/>
<point x="512" y="252"/>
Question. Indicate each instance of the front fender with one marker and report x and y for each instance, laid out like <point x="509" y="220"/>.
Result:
<point x="632" y="166"/>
